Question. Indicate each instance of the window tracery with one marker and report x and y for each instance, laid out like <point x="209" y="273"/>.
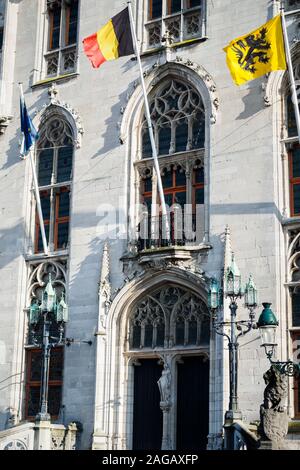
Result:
<point x="178" y="117"/>
<point x="55" y="157"/>
<point x="169" y="317"/>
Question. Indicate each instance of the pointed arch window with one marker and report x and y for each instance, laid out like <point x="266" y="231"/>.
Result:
<point x="55" y="159"/>
<point x="292" y="146"/>
<point x="178" y="119"/>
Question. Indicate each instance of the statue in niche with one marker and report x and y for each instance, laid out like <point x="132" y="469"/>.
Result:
<point x="164" y="385"/>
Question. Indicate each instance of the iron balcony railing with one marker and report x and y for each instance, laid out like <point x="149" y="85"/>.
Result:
<point x="185" y="229"/>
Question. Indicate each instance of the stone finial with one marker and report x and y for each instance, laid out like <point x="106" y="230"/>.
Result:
<point x="227" y="249"/>
<point x="52" y="92"/>
<point x="104" y="287"/>
<point x="167" y="39"/>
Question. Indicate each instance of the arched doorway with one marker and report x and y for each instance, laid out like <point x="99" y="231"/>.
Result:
<point x="168" y="332"/>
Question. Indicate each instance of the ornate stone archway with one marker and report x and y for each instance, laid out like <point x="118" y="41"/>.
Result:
<point x="114" y="375"/>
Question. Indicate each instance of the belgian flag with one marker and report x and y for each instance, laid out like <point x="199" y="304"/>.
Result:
<point x="110" y="42"/>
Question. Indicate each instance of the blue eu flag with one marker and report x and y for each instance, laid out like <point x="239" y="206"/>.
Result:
<point x="30" y="134"/>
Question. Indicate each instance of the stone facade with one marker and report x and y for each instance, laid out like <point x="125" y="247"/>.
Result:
<point x="105" y="275"/>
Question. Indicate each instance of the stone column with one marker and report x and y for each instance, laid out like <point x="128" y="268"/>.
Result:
<point x="164" y="385"/>
<point x="165" y="443"/>
<point x="42" y="435"/>
<point x="101" y="412"/>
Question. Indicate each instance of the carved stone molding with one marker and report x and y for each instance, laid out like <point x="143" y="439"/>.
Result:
<point x="293" y="269"/>
<point x="39" y="276"/>
<point x="55" y="106"/>
<point x="187" y="162"/>
<point x="15" y="444"/>
<point x="163" y="313"/>
<point x="104" y="290"/>
<point x="208" y="81"/>
<point x="153" y="77"/>
<point x="4" y="122"/>
<point x="64" y="438"/>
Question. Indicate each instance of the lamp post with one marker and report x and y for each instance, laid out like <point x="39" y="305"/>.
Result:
<point x="43" y="314"/>
<point x="233" y="329"/>
<point x="268" y="324"/>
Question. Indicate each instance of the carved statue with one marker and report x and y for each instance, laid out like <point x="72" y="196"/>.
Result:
<point x="276" y="389"/>
<point x="274" y="418"/>
<point x="164" y="385"/>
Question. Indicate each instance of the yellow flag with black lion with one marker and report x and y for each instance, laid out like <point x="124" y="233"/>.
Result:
<point x="257" y="53"/>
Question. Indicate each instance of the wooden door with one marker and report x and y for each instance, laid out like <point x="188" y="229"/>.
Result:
<point x="147" y="415"/>
<point x="192" y="403"/>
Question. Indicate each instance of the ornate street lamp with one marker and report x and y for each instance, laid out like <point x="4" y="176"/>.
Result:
<point x="268" y="324"/>
<point x="46" y="313"/>
<point x="233" y="329"/>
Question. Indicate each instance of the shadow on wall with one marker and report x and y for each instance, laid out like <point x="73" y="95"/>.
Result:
<point x="12" y="244"/>
<point x="111" y="134"/>
<point x="13" y="152"/>
<point x="254" y="100"/>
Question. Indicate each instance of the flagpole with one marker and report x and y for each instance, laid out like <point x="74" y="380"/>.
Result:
<point x="36" y="191"/>
<point x="149" y="123"/>
<point x="291" y="72"/>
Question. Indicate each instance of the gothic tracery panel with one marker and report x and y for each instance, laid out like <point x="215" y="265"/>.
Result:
<point x="170" y="316"/>
<point x="177" y="114"/>
<point x="294" y="257"/>
<point x="39" y="276"/>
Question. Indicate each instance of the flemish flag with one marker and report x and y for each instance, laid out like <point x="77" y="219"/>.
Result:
<point x="113" y="40"/>
<point x="257" y="53"/>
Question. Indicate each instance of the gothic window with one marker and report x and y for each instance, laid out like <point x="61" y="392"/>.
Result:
<point x="33" y="382"/>
<point x="183" y="19"/>
<point x="293" y="270"/>
<point x="61" y="55"/>
<point x="178" y="119"/>
<point x="294" y="170"/>
<point x="296" y="306"/>
<point x="292" y="145"/>
<point x="296" y="355"/>
<point x="292" y="5"/>
<point x="39" y="273"/>
<point x="169" y="317"/>
<point x="55" y="156"/>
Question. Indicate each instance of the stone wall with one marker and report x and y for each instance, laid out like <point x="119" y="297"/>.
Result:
<point x="244" y="192"/>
